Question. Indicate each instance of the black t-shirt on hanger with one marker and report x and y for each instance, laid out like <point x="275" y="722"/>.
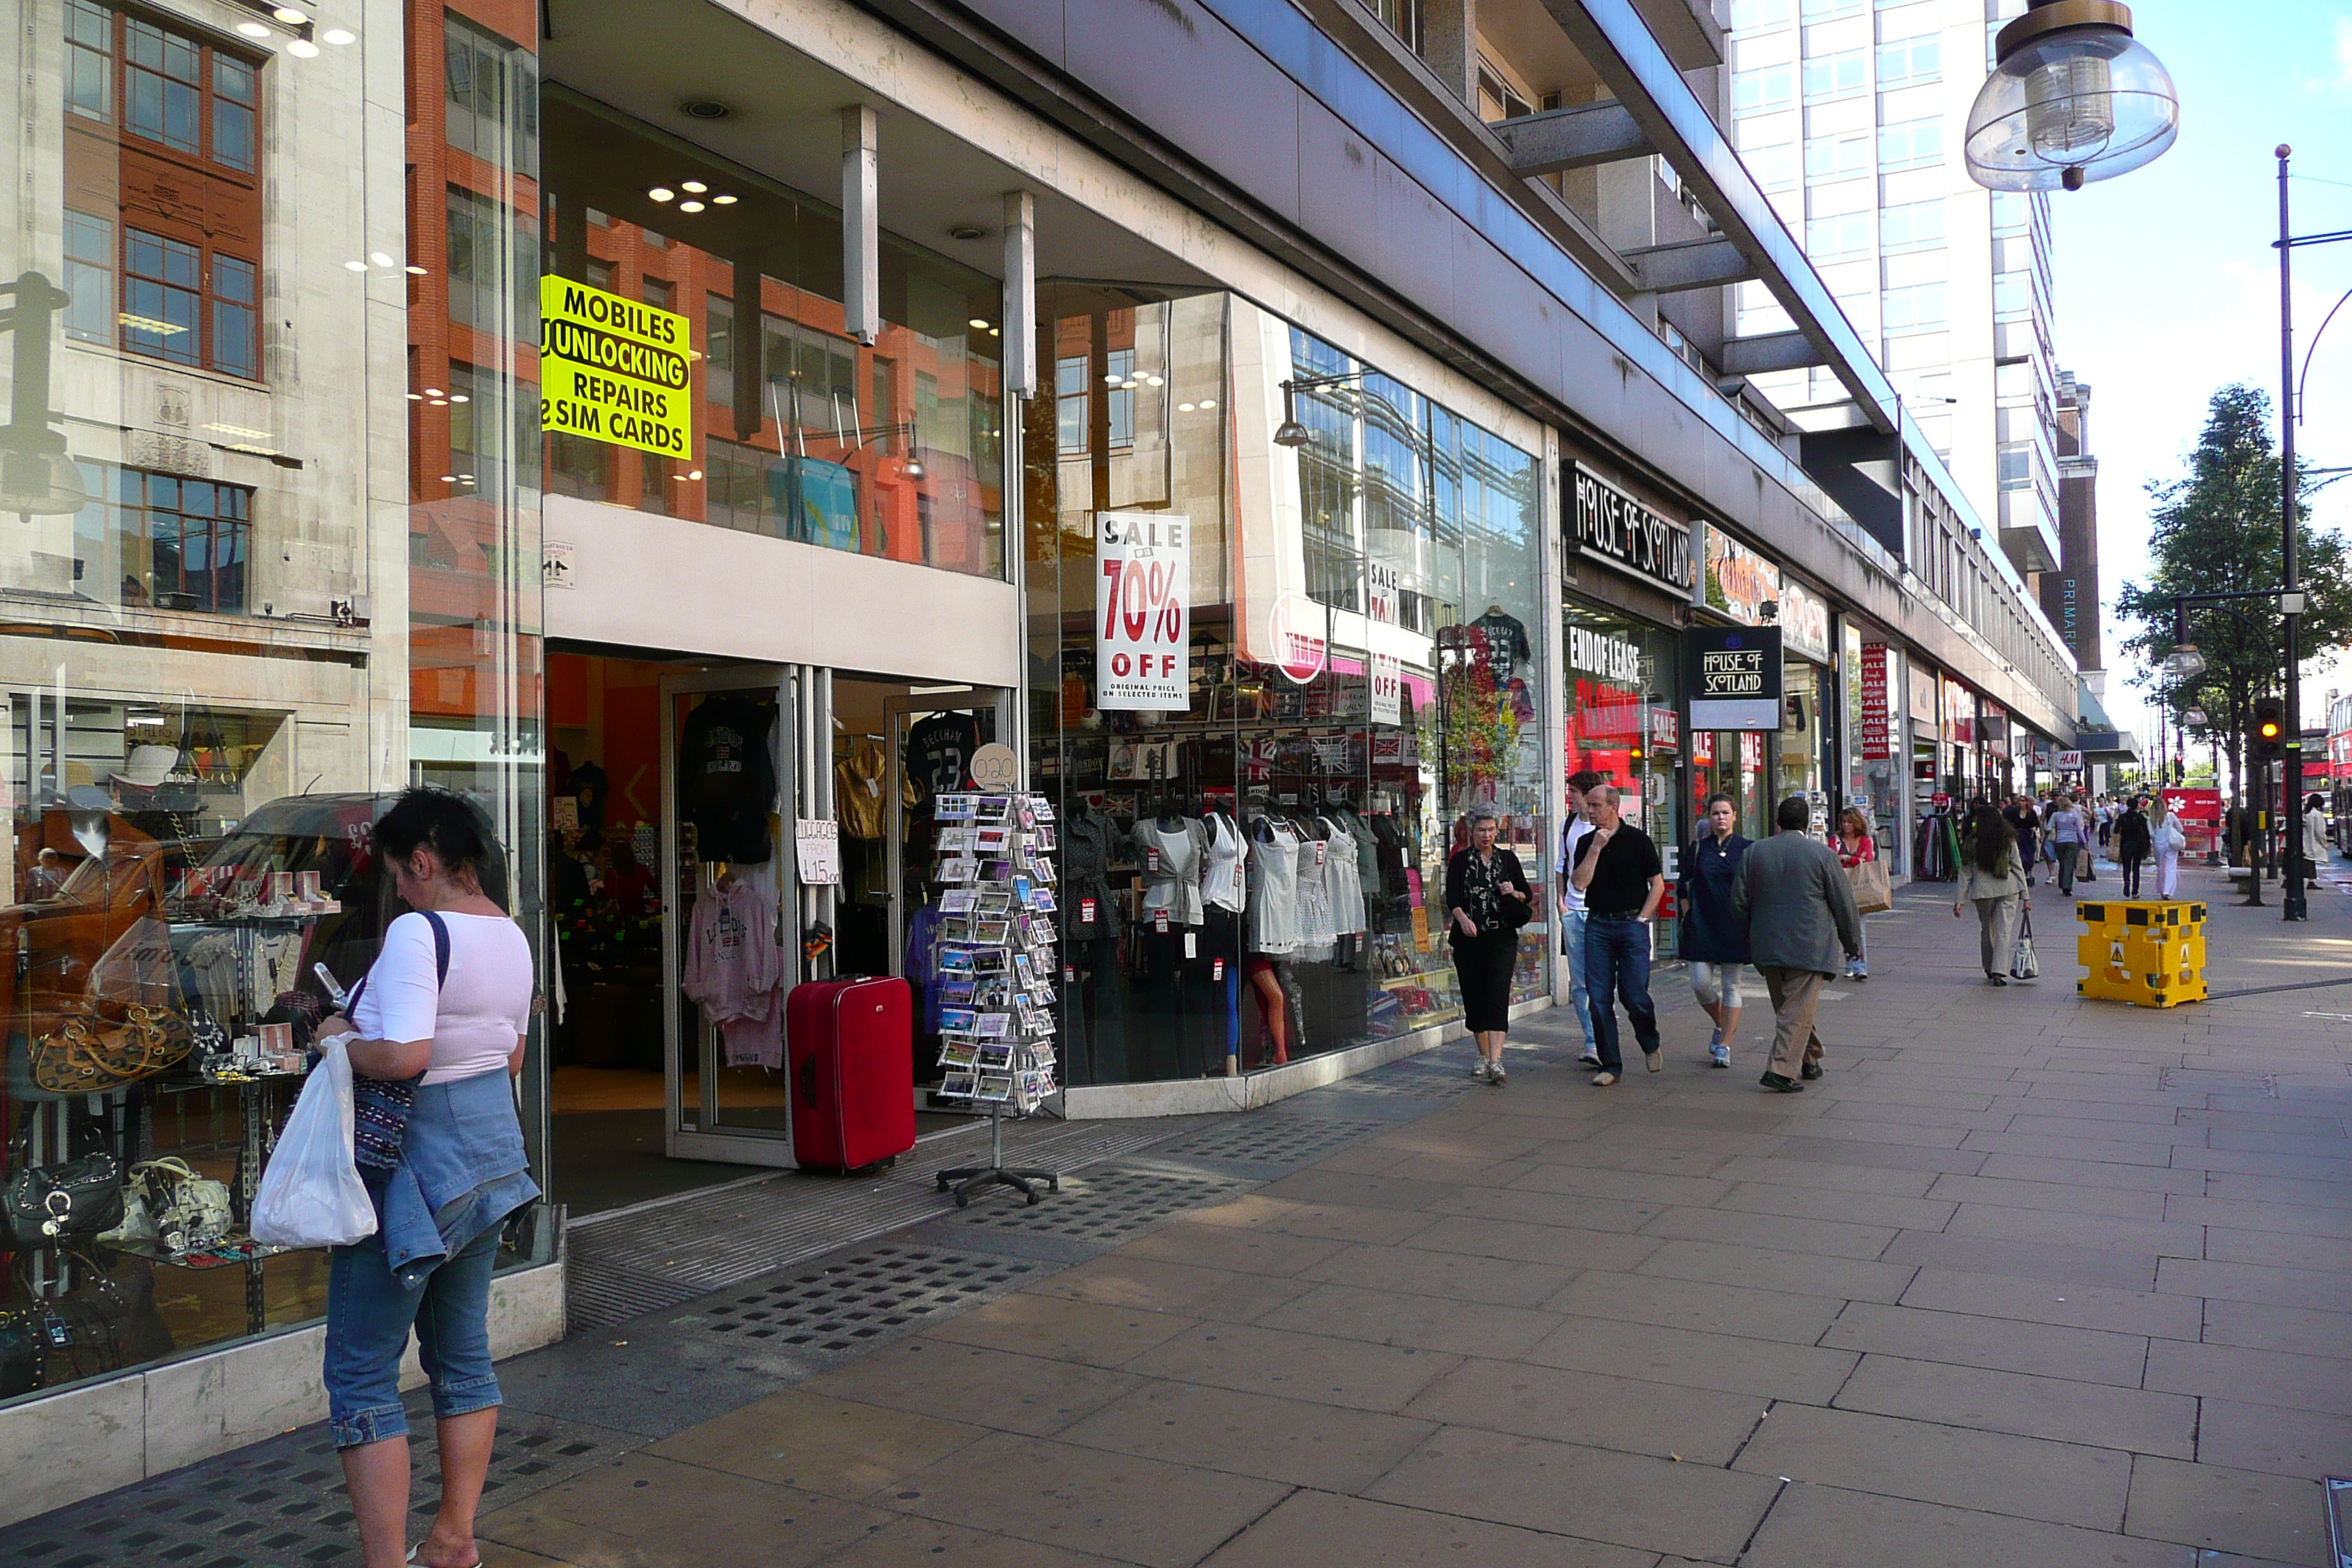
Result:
<point x="939" y="751"/>
<point x="727" y="778"/>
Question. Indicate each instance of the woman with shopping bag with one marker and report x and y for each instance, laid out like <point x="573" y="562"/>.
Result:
<point x="444" y="1014"/>
<point x="2167" y="838"/>
<point x="1992" y="878"/>
<point x="1873" y="891"/>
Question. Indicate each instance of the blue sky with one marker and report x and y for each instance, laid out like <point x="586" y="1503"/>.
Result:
<point x="2168" y="286"/>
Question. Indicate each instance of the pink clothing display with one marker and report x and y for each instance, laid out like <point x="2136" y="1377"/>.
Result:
<point x="733" y="968"/>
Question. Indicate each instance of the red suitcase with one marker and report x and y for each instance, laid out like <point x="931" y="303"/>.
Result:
<point x="851" y="1046"/>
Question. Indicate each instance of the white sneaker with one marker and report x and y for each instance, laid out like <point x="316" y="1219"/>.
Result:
<point x="1478" y="1070"/>
<point x="1604" y="1079"/>
<point x="1720" y="1054"/>
<point x="1590" y="1058"/>
<point x="1497" y="1076"/>
<point x="1654" y="1061"/>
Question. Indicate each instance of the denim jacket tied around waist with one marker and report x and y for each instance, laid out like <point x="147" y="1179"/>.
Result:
<point x="462" y="1171"/>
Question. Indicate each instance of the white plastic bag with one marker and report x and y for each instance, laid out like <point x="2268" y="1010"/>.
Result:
<point x="311" y="1194"/>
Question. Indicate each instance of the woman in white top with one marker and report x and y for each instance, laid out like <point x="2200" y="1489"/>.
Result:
<point x="446" y="1014"/>
<point x="2167" y="838"/>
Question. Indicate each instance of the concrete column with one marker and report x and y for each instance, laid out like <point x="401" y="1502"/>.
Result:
<point x="861" y="248"/>
<point x="1449" y="43"/>
<point x="1020" y="294"/>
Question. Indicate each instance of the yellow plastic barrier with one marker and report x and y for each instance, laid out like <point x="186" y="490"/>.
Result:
<point x="2149" y="953"/>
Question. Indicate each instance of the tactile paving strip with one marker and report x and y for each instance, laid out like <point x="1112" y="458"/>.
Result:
<point x="1112" y="1207"/>
<point x="281" y="1504"/>
<point x="855" y="1305"/>
<point x="1271" y="1138"/>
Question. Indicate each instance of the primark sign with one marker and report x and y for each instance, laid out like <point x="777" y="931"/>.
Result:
<point x="1624" y="533"/>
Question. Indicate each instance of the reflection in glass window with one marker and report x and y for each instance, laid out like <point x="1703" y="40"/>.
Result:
<point x="164" y="85"/>
<point x="1070" y="403"/>
<point x="89" y="277"/>
<point x="90" y="60"/>
<point x="162" y="296"/>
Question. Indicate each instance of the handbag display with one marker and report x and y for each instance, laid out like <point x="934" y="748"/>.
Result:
<point x="1873" y="891"/>
<point x="48" y="1205"/>
<point x="2022" y="964"/>
<point x="186" y="1211"/>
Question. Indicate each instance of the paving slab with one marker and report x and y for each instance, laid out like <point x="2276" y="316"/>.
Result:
<point x="1318" y="1527"/>
<point x="2215" y="1508"/>
<point x="2062" y="1409"/>
<point x="1829" y="1526"/>
<point x="1301" y="1442"/>
<point x="1694" y="1426"/>
<point x="1313" y="1367"/>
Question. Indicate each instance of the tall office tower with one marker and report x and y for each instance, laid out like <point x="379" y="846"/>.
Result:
<point x="1851" y="114"/>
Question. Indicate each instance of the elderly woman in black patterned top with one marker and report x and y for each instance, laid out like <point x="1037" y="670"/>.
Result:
<point x="1487" y="899"/>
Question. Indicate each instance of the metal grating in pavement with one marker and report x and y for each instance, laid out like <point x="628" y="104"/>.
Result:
<point x="857" y="1304"/>
<point x="650" y="1259"/>
<point x="1109" y="1209"/>
<point x="1270" y="1138"/>
<point x="280" y="1503"/>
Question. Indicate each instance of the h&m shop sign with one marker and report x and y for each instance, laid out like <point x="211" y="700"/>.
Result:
<point x="1629" y="534"/>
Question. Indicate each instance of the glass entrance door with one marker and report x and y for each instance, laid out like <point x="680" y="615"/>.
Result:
<point x="729" y="934"/>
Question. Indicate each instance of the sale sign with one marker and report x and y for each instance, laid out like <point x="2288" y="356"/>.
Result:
<point x="1388" y="688"/>
<point x="1143" y="611"/>
<point x="1877" y="742"/>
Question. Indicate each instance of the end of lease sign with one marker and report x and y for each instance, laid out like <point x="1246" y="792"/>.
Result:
<point x="615" y="370"/>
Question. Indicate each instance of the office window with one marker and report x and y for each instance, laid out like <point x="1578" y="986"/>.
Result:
<point x="1120" y="379"/>
<point x="163" y="297"/>
<point x="2015" y="462"/>
<point x="1911" y="225"/>
<point x="1841" y="75"/>
<point x="1919" y="308"/>
<point x="491" y="90"/>
<point x="164" y="86"/>
<point x="1774" y="167"/>
<point x="1070" y="405"/>
<point x="1837" y="157"/>
<point x="1910" y="144"/>
<point x="236" y="342"/>
<point x="1838" y="238"/>
<point x="1763" y="89"/>
<point x="90" y="60"/>
<point x="181" y="543"/>
<point x="89" y="277"/>
<point x="2012" y="295"/>
<point x="2010" y="213"/>
<point x="1749" y="14"/>
<point x="1907" y="62"/>
<point x="718" y="349"/>
<point x="1831" y="10"/>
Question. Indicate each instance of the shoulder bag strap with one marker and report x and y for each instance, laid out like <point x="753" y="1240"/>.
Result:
<point x="440" y="960"/>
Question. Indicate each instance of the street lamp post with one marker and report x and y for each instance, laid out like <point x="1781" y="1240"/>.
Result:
<point x="2072" y="98"/>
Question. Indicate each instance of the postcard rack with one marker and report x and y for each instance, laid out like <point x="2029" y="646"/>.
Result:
<point x="993" y="954"/>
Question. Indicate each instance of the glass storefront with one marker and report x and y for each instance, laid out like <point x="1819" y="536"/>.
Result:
<point x="1255" y="852"/>
<point x="1875" y="768"/>
<point x="782" y="423"/>
<point x="255" y="587"/>
<point x="1623" y="722"/>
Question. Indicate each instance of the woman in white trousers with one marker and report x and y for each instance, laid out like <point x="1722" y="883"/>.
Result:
<point x="2168" y="840"/>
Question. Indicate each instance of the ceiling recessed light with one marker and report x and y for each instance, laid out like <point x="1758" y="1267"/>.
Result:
<point x="1113" y="380"/>
<point x="448" y="478"/>
<point x="661" y="194"/>
<point x="697" y="186"/>
<point x="967" y="231"/>
<point x="459" y="397"/>
<point x="1153" y="381"/>
<point x="724" y="200"/>
<point x="435" y="392"/>
<point x="338" y="37"/>
<point x="303" y="49"/>
<point x="995" y="331"/>
<point x="415" y="270"/>
<point x="382" y="259"/>
<point x="705" y="108"/>
<point x="1184" y="407"/>
<point x="1208" y="402"/>
<point x="253" y="29"/>
<point x="695" y="474"/>
<point x="979" y="323"/>
<point x="416" y="397"/>
<point x="689" y="206"/>
<point x="290" y="16"/>
<point x="355" y="267"/>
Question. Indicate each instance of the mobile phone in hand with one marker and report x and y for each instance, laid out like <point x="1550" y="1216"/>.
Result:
<point x="335" y="991"/>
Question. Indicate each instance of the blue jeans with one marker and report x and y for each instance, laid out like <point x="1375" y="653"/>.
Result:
<point x="1580" y="999"/>
<point x="1617" y="968"/>
<point x="369" y="1316"/>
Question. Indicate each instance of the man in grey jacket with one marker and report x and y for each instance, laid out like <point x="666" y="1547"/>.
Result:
<point x="1793" y="899"/>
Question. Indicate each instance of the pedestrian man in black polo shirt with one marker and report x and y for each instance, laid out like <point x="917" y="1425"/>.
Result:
<point x="1619" y="873"/>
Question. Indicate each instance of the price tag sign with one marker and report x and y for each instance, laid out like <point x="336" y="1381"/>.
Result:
<point x="819" y="848"/>
<point x="1143" y="612"/>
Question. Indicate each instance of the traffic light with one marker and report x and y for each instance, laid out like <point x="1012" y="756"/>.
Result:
<point x="2269" y="727"/>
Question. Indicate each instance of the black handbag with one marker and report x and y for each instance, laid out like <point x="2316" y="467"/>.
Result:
<point x="46" y="1205"/>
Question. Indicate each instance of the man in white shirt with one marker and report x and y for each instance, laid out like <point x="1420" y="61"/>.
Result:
<point x="1578" y="823"/>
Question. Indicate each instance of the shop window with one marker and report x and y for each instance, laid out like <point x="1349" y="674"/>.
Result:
<point x="1070" y="403"/>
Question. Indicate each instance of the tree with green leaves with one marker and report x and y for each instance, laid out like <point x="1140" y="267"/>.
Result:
<point x="2216" y="530"/>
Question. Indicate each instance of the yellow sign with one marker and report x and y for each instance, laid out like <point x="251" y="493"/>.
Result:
<point x="615" y="370"/>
